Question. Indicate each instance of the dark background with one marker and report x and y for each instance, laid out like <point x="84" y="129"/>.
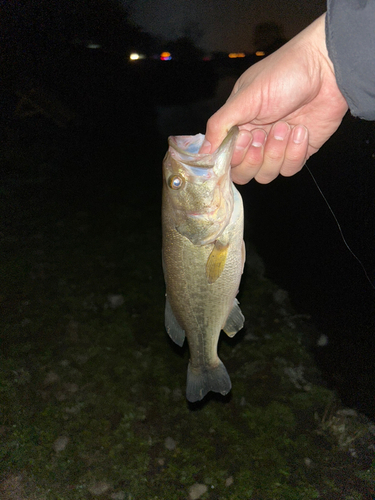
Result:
<point x="86" y="113"/>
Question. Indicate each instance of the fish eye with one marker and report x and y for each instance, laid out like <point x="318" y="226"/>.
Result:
<point x="175" y="182"/>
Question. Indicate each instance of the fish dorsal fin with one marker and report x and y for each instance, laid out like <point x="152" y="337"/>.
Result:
<point x="174" y="330"/>
<point x="216" y="261"/>
<point x="234" y="321"/>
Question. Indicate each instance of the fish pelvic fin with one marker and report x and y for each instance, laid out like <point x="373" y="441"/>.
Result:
<point x="235" y="320"/>
<point x="216" y="261"/>
<point x="174" y="330"/>
<point x="202" y="380"/>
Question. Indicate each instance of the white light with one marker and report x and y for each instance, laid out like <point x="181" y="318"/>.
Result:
<point x="134" y="56"/>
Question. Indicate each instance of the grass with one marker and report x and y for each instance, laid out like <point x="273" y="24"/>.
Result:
<point x="92" y="394"/>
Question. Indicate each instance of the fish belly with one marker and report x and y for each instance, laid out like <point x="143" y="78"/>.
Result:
<point x="200" y="308"/>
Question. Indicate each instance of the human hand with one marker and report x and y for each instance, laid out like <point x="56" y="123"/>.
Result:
<point x="286" y="106"/>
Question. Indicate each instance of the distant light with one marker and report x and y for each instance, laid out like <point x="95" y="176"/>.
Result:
<point x="260" y="53"/>
<point x="165" y="56"/>
<point x="134" y="56"/>
<point x="93" y="45"/>
<point x="234" y="55"/>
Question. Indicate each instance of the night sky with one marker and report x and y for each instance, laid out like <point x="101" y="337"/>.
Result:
<point x="222" y="25"/>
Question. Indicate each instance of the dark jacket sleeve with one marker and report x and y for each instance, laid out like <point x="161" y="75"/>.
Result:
<point x="350" y="36"/>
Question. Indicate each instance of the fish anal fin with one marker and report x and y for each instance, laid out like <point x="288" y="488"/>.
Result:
<point x="202" y="380"/>
<point x="174" y="330"/>
<point x="235" y="320"/>
<point x="216" y="261"/>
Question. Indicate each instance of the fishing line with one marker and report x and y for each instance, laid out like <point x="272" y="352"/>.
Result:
<point x="340" y="229"/>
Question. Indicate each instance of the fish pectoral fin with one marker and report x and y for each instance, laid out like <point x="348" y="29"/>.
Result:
<point x="235" y="320"/>
<point x="216" y="261"/>
<point x="176" y="333"/>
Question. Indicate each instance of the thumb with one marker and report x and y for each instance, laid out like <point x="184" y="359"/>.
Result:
<point x="234" y="112"/>
<point x="217" y="129"/>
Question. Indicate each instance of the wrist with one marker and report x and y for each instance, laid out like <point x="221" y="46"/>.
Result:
<point x="319" y="40"/>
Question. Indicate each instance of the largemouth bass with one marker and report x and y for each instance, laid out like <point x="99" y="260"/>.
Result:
<point x="203" y="256"/>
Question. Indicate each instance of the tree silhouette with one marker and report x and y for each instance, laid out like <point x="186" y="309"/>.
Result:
<point x="269" y="36"/>
<point x="37" y="34"/>
<point x="184" y="49"/>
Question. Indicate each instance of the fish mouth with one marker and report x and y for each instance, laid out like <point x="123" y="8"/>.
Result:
<point x="215" y="216"/>
<point x="202" y="228"/>
<point x="186" y="149"/>
<point x="204" y="215"/>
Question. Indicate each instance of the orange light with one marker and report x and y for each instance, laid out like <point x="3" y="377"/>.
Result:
<point x="234" y="55"/>
<point x="165" y="56"/>
<point x="260" y="53"/>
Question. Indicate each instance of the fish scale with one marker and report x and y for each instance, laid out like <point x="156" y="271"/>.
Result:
<point x="202" y="273"/>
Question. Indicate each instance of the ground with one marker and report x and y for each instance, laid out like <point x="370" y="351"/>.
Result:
<point x="92" y="390"/>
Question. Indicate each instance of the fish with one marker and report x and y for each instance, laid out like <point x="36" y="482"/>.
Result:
<point x="203" y="256"/>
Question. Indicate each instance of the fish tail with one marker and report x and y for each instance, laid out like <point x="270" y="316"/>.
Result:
<point x="202" y="380"/>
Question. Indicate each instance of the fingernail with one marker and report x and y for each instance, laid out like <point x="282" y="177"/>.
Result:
<point x="243" y="140"/>
<point x="280" y="131"/>
<point x="206" y="147"/>
<point x="299" y="134"/>
<point x="259" y="138"/>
